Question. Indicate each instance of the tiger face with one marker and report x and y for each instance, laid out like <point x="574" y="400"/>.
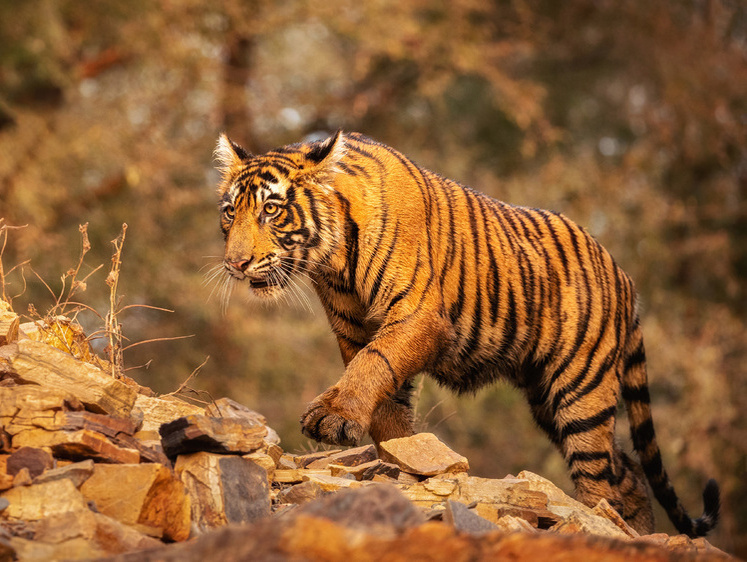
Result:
<point x="270" y="215"/>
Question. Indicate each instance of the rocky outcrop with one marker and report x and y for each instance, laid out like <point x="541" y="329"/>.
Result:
<point x="93" y="466"/>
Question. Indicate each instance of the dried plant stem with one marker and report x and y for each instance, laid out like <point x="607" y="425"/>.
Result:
<point x="113" y="327"/>
<point x="4" y="228"/>
<point x="184" y="386"/>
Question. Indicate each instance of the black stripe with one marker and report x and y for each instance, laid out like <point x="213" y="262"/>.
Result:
<point x="586" y="456"/>
<point x="653" y="466"/>
<point x="268" y="176"/>
<point x="350" y="341"/>
<point x="455" y="312"/>
<point x="643" y="435"/>
<point x="382" y="270"/>
<point x="605" y="474"/>
<point x="558" y="244"/>
<point x="587" y="424"/>
<point x="636" y="394"/>
<point x="635" y="359"/>
<point x="376" y="352"/>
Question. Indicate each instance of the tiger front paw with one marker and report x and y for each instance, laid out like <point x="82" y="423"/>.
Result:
<point x="320" y="423"/>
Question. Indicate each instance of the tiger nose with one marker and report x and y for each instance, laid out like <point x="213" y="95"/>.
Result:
<point x="241" y="265"/>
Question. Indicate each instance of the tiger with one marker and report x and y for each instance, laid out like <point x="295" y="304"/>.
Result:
<point x="417" y="274"/>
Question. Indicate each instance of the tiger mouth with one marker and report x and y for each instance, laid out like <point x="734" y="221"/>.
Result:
<point x="261" y="284"/>
<point x="270" y="282"/>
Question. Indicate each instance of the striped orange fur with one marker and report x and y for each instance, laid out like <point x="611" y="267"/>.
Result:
<point x="418" y="273"/>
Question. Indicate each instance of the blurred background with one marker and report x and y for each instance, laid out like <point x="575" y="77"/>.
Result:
<point x="629" y="117"/>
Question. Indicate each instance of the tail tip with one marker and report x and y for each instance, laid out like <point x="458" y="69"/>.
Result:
<point x="711" y="507"/>
<point x="712" y="500"/>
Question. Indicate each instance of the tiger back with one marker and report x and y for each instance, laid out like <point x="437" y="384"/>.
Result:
<point x="417" y="273"/>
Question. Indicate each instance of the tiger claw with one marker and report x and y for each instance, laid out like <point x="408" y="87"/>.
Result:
<point x="320" y="424"/>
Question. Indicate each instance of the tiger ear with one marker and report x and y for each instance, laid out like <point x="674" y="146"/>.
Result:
<point x="323" y="157"/>
<point x="228" y="155"/>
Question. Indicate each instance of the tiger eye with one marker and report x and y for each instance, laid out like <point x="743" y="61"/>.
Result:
<point x="271" y="208"/>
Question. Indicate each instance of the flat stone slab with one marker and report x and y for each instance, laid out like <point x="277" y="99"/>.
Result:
<point x="422" y="453"/>
<point x="195" y="433"/>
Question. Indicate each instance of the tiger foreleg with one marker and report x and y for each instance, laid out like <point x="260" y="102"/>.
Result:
<point x="393" y="417"/>
<point x="373" y="394"/>
<point x="324" y="421"/>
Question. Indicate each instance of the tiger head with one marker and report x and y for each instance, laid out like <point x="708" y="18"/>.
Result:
<point x="277" y="211"/>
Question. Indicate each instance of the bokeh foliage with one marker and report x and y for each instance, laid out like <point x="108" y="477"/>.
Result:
<point x="630" y="117"/>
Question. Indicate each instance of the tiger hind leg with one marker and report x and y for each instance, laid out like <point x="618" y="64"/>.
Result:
<point x="584" y="418"/>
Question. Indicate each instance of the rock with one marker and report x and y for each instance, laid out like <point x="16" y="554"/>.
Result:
<point x="110" y="426"/>
<point x="367" y="470"/>
<point x="85" y="534"/>
<point x="22" y="478"/>
<point x="286" y="462"/>
<point x="161" y="410"/>
<point x="77" y="473"/>
<point x="300" y="493"/>
<point x="512" y="491"/>
<point x="223" y="489"/>
<point x="423" y="454"/>
<point x="582" y="522"/>
<point x="228" y="408"/>
<point x="374" y="508"/>
<point x="356" y="532"/>
<point x="33" y="459"/>
<point x="47" y="499"/>
<point x="28" y="406"/>
<point x="302" y="461"/>
<point x="604" y="509"/>
<point x="76" y="445"/>
<point x="465" y="520"/>
<point x="329" y="483"/>
<point x="275" y="452"/>
<point x="294" y="475"/>
<point x="42" y="420"/>
<point x="266" y="462"/>
<point x="5" y="441"/>
<point x="558" y="501"/>
<point x="380" y="468"/>
<point x="8" y="325"/>
<point x="38" y="363"/>
<point x="148" y="496"/>
<point x="350" y="457"/>
<point x="195" y="433"/>
<point x="511" y="524"/>
<point x="6" y="481"/>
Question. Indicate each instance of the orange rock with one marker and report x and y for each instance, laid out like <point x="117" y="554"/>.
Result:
<point x="82" y="443"/>
<point x="422" y="453"/>
<point x="148" y="495"/>
<point x="223" y="489"/>
<point x="38" y="363"/>
<point x="48" y="499"/>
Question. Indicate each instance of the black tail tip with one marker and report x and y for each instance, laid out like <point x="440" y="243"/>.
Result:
<point x="711" y="507"/>
<point x="712" y="500"/>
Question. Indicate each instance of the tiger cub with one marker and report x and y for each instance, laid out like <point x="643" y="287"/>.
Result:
<point x="418" y="273"/>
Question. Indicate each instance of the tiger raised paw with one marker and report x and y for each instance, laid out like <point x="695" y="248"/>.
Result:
<point x="417" y="273"/>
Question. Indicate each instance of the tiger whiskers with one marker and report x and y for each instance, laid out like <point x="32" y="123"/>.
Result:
<point x="222" y="285"/>
<point x="290" y="281"/>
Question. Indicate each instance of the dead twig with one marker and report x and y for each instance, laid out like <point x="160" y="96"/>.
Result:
<point x="113" y="327"/>
<point x="4" y="228"/>
<point x="184" y="386"/>
<point x="155" y="340"/>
